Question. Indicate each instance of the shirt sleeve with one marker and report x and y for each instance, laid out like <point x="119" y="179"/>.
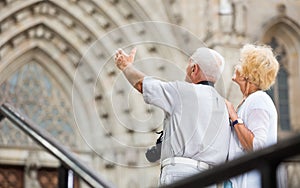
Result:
<point x="258" y="123"/>
<point x="161" y="94"/>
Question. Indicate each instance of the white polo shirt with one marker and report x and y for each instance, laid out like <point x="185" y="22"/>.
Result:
<point x="196" y="123"/>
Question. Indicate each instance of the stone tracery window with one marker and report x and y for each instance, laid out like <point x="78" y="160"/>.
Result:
<point x="39" y="96"/>
<point x="280" y="92"/>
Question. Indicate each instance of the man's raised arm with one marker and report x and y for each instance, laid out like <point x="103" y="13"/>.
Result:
<point x="125" y="63"/>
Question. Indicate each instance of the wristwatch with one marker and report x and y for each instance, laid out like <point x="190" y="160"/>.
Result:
<point x="237" y="121"/>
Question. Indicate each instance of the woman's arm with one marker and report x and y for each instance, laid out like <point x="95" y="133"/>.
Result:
<point x="245" y="136"/>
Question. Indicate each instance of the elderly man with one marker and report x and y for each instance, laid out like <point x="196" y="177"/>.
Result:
<point x="196" y="125"/>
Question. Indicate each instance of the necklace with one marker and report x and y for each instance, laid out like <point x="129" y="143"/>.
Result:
<point x="241" y="103"/>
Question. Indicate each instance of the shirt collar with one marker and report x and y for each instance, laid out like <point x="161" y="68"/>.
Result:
<point x="209" y="83"/>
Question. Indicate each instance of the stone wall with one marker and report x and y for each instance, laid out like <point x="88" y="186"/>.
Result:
<point x="71" y="43"/>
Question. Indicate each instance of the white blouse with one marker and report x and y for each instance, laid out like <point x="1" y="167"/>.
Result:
<point x="260" y="116"/>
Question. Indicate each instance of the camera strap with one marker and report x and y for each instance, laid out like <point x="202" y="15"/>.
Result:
<point x="159" y="140"/>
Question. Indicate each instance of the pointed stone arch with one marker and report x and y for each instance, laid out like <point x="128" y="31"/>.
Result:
<point x="44" y="88"/>
<point x="284" y="35"/>
<point x="62" y="52"/>
<point x="50" y="36"/>
<point x="47" y="39"/>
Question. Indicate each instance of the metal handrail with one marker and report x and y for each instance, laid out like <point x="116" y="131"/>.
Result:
<point x="50" y="144"/>
<point x="265" y="160"/>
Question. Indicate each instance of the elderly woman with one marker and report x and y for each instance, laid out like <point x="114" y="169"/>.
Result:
<point x="254" y="123"/>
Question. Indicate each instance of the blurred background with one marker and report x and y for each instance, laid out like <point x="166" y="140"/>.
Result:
<point x="56" y="67"/>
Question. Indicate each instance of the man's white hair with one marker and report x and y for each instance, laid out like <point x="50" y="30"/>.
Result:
<point x="210" y="62"/>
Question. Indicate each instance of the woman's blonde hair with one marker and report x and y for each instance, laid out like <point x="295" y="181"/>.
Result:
<point x="259" y="65"/>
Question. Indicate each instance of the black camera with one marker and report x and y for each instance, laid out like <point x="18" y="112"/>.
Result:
<point x="153" y="153"/>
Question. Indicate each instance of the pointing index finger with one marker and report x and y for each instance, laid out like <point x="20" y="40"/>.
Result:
<point x="133" y="51"/>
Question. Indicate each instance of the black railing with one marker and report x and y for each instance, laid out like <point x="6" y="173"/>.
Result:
<point x="66" y="157"/>
<point x="265" y="160"/>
